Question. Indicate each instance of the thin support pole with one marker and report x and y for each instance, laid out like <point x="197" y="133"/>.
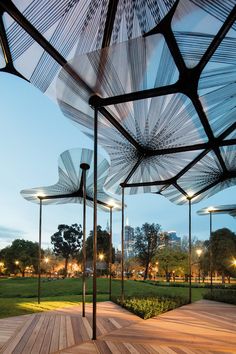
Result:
<point x="110" y="253"/>
<point x="211" y="266"/>
<point x="94" y="335"/>
<point x="39" y="250"/>
<point x="84" y="168"/>
<point x="190" y="250"/>
<point x="122" y="245"/>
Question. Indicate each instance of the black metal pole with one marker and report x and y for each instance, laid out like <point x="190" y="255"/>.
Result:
<point x="211" y="284"/>
<point x="84" y="168"/>
<point x="39" y="250"/>
<point x="94" y="336"/>
<point x="122" y="245"/>
<point x="110" y="253"/>
<point x="190" y="250"/>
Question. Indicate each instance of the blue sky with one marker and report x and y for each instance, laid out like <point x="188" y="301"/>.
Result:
<point x="33" y="135"/>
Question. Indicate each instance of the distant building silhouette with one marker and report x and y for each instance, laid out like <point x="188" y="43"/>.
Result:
<point x="174" y="240"/>
<point x="129" y="241"/>
<point x="170" y="239"/>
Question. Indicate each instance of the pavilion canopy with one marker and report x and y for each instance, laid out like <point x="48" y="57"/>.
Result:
<point x="166" y="103"/>
<point x="39" y="36"/>
<point x="68" y="189"/>
<point x="219" y="209"/>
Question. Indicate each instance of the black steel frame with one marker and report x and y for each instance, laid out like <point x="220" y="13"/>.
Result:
<point x="81" y="193"/>
<point x="187" y="85"/>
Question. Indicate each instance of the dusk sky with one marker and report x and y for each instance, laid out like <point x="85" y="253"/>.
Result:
<point x="33" y="135"/>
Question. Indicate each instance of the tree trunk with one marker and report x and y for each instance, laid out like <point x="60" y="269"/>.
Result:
<point x="66" y="266"/>
<point x="146" y="271"/>
<point x="23" y="273"/>
<point x="223" y="278"/>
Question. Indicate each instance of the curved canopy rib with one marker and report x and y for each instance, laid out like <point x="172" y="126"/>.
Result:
<point x="68" y="189"/>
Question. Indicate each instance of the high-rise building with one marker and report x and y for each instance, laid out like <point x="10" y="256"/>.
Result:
<point x="129" y="241"/>
<point x="169" y="239"/>
<point x="174" y="240"/>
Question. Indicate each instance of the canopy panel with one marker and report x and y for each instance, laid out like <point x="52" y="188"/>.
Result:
<point x="166" y="104"/>
<point x="219" y="209"/>
<point x="68" y="189"/>
<point x="66" y="26"/>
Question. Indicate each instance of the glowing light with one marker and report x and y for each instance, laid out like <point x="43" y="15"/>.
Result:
<point x="199" y="252"/>
<point x="101" y="256"/>
<point x="234" y="262"/>
<point x="190" y="195"/>
<point x="40" y="195"/>
<point x="17" y="262"/>
<point x="46" y="260"/>
<point x="210" y="209"/>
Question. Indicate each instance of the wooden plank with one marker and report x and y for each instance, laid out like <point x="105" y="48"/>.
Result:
<point x="69" y="331"/>
<point x="87" y="326"/>
<point x="54" y="346"/>
<point x="32" y="338"/>
<point x="62" y="337"/>
<point x="45" y="347"/>
<point x="40" y="337"/>
<point x="79" y="332"/>
<point x="11" y="344"/>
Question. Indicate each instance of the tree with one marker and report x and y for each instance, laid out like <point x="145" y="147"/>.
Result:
<point x="67" y="242"/>
<point x="146" y="243"/>
<point x="19" y="255"/>
<point x="223" y="246"/>
<point x="103" y="245"/>
<point x="172" y="260"/>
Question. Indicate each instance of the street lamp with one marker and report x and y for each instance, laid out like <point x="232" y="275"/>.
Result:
<point x="199" y="252"/>
<point x="17" y="263"/>
<point x="101" y="257"/>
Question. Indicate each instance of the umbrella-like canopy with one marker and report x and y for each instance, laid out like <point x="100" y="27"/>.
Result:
<point x="39" y="36"/>
<point x="166" y="103"/>
<point x="69" y="189"/>
<point x="219" y="209"/>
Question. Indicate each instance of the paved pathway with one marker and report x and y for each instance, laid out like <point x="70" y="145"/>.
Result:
<point x="204" y="327"/>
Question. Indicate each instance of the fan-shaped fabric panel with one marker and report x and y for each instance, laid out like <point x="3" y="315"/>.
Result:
<point x="70" y="182"/>
<point x="70" y="25"/>
<point x="204" y="179"/>
<point x="219" y="209"/>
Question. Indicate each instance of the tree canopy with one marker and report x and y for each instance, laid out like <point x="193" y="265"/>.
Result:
<point x="223" y="245"/>
<point x="172" y="260"/>
<point x="147" y="239"/>
<point x="19" y="255"/>
<point x="67" y="242"/>
<point x="103" y="244"/>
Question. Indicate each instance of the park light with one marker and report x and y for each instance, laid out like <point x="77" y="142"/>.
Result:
<point x="189" y="195"/>
<point x="1" y="264"/>
<point x="17" y="263"/>
<point x="234" y="262"/>
<point x="101" y="256"/>
<point x="210" y="209"/>
<point x="46" y="260"/>
<point x="40" y="195"/>
<point x="199" y="252"/>
<point x="112" y="204"/>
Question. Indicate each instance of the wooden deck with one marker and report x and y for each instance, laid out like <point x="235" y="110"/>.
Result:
<point x="204" y="327"/>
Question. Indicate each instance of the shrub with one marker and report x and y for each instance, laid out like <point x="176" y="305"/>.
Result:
<point x="147" y="307"/>
<point x="228" y="296"/>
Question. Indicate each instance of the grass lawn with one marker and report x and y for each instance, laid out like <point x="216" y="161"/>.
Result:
<point x="18" y="296"/>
